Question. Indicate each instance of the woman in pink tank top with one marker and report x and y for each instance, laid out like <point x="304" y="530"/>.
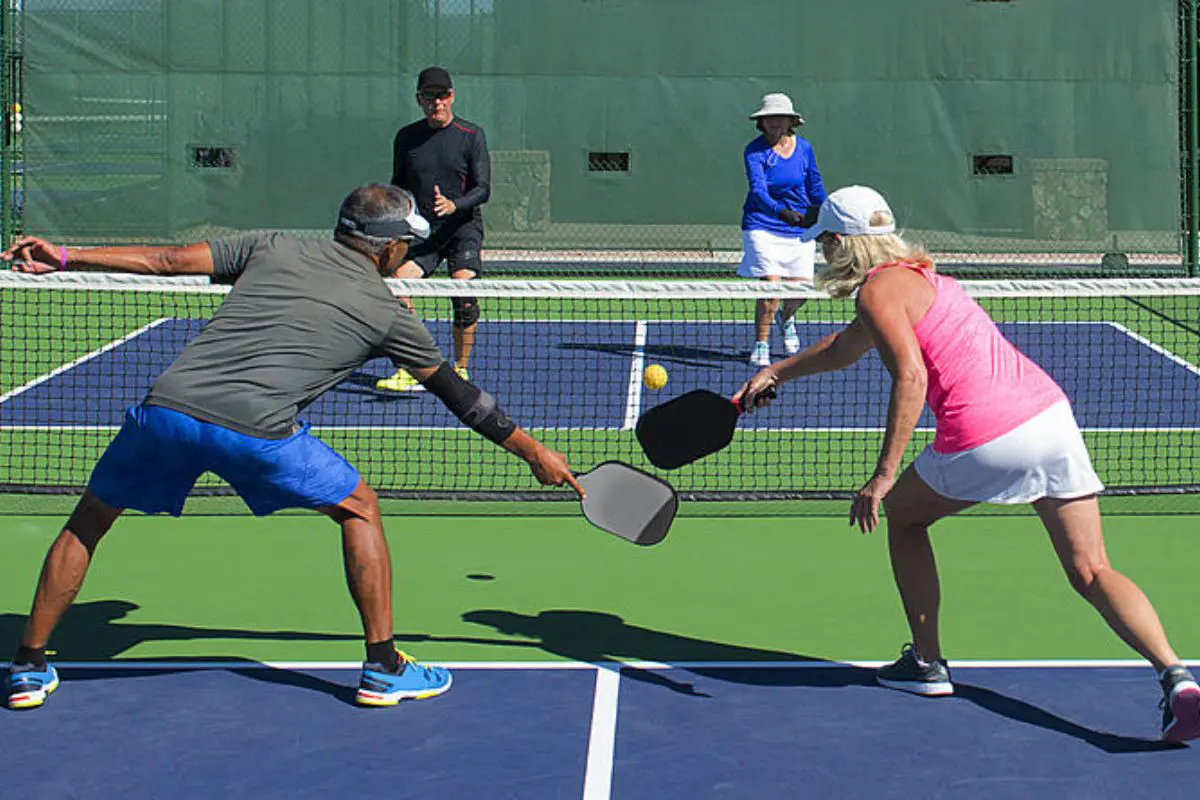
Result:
<point x="1005" y="434"/>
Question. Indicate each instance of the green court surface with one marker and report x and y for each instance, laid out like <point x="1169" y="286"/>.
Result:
<point x="473" y="588"/>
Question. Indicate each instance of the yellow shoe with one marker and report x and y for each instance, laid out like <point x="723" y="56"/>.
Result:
<point x="400" y="382"/>
<point x="462" y="373"/>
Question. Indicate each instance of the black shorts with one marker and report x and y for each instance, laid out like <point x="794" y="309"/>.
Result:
<point x="458" y="247"/>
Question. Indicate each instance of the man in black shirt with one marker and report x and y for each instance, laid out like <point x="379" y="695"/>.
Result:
<point x="443" y="160"/>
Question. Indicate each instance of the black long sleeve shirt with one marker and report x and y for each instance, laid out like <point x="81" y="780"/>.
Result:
<point x="454" y="158"/>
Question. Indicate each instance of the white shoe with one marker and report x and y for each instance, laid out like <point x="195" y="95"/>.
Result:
<point x="760" y="356"/>
<point x="791" y="342"/>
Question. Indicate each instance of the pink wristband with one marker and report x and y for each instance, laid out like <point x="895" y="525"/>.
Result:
<point x="62" y="256"/>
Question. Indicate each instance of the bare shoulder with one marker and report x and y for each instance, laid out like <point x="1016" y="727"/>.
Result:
<point x="893" y="285"/>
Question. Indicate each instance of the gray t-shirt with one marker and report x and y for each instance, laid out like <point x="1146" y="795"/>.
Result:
<point x="302" y="315"/>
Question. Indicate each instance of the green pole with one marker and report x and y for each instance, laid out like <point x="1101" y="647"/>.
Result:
<point x="12" y="154"/>
<point x="1192" y="169"/>
<point x="6" y="155"/>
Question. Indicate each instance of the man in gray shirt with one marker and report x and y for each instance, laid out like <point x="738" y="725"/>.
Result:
<point x="301" y="316"/>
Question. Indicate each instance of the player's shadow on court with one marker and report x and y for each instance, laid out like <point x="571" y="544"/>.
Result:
<point x="667" y="354"/>
<point x="94" y="631"/>
<point x="597" y="637"/>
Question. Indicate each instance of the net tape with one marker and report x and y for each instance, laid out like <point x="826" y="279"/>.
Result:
<point x="615" y="289"/>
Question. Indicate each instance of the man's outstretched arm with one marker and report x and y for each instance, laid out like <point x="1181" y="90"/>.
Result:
<point x="34" y="255"/>
<point x="479" y="411"/>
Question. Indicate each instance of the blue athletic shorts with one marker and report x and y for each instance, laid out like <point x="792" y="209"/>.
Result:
<point x="158" y="454"/>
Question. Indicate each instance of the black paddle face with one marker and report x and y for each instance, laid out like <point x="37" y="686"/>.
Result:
<point x="687" y="428"/>
<point x="629" y="503"/>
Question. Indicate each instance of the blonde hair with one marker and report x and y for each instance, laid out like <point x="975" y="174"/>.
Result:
<point x="847" y="266"/>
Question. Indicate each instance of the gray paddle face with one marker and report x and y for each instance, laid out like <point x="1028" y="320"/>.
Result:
<point x="629" y="503"/>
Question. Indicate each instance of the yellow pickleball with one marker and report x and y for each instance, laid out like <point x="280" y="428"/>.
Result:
<point x="655" y="377"/>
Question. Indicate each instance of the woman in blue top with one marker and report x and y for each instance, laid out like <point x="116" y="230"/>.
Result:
<point x="785" y="194"/>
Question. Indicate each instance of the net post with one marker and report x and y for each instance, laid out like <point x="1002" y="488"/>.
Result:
<point x="12" y="153"/>
<point x="1190" y="99"/>
<point x="6" y="38"/>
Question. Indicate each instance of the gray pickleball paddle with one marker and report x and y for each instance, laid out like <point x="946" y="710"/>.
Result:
<point x="629" y="503"/>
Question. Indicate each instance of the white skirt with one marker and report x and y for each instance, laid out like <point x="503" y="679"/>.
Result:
<point x="1044" y="457"/>
<point x="766" y="254"/>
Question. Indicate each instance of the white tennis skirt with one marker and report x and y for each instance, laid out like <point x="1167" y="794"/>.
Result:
<point x="1044" y="457"/>
<point x="766" y="254"/>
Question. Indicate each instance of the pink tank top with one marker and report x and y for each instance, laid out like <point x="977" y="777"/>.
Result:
<point x="980" y="386"/>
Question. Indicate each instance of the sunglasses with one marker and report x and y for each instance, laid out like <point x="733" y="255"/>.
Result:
<point x="430" y="95"/>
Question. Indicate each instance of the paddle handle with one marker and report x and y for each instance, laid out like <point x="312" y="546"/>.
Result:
<point x="770" y="393"/>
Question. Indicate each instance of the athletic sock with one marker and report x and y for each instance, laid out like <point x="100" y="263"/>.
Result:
<point x="384" y="653"/>
<point x="28" y="657"/>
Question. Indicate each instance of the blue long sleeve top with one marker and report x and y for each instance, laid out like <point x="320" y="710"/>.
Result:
<point x="777" y="183"/>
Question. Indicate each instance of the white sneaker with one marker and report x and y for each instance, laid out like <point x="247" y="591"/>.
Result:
<point x="791" y="342"/>
<point x="760" y="356"/>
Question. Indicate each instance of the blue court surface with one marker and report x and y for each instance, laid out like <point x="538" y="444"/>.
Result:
<point x="572" y="730"/>
<point x="582" y="375"/>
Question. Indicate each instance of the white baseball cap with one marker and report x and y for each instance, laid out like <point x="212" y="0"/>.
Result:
<point x="848" y="211"/>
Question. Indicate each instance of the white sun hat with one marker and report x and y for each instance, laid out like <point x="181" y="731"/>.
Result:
<point x="777" y="105"/>
<point x="848" y="211"/>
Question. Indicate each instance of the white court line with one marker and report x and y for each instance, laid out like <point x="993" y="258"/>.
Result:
<point x="535" y="428"/>
<point x="86" y="357"/>
<point x="324" y="428"/>
<point x="1162" y="351"/>
<point x="597" y="780"/>
<point x="59" y="428"/>
<point x="633" y="395"/>
<point x="607" y="666"/>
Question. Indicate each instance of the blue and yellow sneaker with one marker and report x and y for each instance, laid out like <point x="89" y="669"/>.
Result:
<point x="29" y="687"/>
<point x="414" y="681"/>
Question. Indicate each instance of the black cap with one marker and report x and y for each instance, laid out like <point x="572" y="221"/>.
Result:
<point x="435" y="77"/>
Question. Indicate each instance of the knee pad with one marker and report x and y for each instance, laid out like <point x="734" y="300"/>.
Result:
<point x="466" y="311"/>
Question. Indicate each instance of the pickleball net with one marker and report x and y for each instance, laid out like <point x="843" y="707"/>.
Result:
<point x="566" y="359"/>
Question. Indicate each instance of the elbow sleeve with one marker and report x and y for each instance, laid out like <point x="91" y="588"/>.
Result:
<point x="474" y="407"/>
